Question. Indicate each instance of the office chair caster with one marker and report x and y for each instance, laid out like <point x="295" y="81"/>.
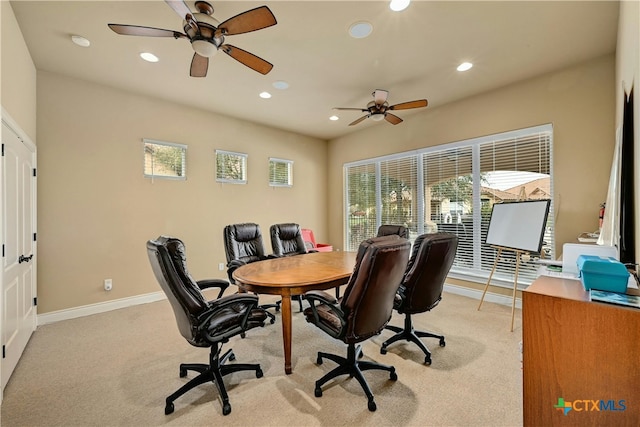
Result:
<point x="372" y="405"/>
<point x="442" y="343"/>
<point x="259" y="373"/>
<point x="168" y="409"/>
<point x="226" y="408"/>
<point x="427" y="360"/>
<point x="318" y="392"/>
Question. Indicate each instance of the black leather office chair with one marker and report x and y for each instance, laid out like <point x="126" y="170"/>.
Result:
<point x="287" y="240"/>
<point x="202" y="323"/>
<point x="421" y="289"/>
<point x="364" y="309"/>
<point x="389" y="229"/>
<point x="243" y="245"/>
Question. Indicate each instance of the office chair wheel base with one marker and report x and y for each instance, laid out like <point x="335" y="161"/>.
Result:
<point x="259" y="373"/>
<point x="226" y="409"/>
<point x="318" y="392"/>
<point x="168" y="409"/>
<point x="372" y="405"/>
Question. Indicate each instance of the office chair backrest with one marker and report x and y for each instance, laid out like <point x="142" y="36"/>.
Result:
<point x="369" y="295"/>
<point x="431" y="259"/>
<point x="388" y="230"/>
<point x="243" y="242"/>
<point x="169" y="264"/>
<point x="286" y="239"/>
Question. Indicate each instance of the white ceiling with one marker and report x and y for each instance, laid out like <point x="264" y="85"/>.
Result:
<point x="412" y="54"/>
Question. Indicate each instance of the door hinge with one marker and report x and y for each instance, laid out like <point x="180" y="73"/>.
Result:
<point x="34" y="237"/>
<point x="35" y="301"/>
<point x="3" y="250"/>
<point x="4" y="354"/>
<point x="2" y="150"/>
<point x="34" y="171"/>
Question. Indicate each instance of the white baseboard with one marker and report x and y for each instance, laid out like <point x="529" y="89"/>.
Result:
<point x="477" y="294"/>
<point x="101" y="307"/>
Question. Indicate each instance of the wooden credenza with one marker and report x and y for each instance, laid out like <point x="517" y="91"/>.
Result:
<point x="586" y="353"/>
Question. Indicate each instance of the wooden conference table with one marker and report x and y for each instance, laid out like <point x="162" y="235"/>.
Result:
<point x="295" y="275"/>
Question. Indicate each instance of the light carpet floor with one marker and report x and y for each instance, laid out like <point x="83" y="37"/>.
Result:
<point x="116" y="369"/>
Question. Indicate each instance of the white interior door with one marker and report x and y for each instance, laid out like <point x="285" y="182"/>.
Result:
<point x="18" y="249"/>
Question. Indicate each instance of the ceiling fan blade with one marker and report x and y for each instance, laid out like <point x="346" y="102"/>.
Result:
<point x="349" y="108"/>
<point x="180" y="7"/>
<point x="393" y="119"/>
<point x="355" y="122"/>
<point x="136" y="30"/>
<point x="380" y="96"/>
<point x="411" y="104"/>
<point x="251" y="20"/>
<point x="249" y="59"/>
<point x="199" y="66"/>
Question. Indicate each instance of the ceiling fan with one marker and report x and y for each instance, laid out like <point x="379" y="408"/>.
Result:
<point x="207" y="35"/>
<point x="379" y="108"/>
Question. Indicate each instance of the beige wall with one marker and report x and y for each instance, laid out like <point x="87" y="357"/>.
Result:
<point x="96" y="210"/>
<point x="578" y="101"/>
<point x="18" y="74"/>
<point x="627" y="77"/>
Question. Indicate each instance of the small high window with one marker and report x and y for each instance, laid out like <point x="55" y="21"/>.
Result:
<point x="164" y="159"/>
<point x="280" y="173"/>
<point x="231" y="167"/>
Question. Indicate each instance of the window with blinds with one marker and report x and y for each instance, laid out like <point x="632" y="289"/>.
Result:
<point x="452" y="188"/>
<point x="231" y="167"/>
<point x="164" y="159"/>
<point x="280" y="172"/>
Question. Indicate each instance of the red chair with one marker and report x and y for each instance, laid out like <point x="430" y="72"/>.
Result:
<point x="310" y="242"/>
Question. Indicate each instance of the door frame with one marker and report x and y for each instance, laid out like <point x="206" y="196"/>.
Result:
<point x="31" y="146"/>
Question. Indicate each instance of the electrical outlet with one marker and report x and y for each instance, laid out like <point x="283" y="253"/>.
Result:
<point x="108" y="284"/>
<point x="221" y="266"/>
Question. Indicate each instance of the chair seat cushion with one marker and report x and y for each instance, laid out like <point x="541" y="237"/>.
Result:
<point x="326" y="317"/>
<point x="227" y="321"/>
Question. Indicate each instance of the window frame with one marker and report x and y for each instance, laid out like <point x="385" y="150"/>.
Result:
<point x="183" y="147"/>
<point x="289" y="165"/>
<point x="242" y="157"/>
<point x="472" y="148"/>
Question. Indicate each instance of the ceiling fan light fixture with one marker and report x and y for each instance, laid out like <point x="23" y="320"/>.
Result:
<point x="204" y="47"/>
<point x="377" y="117"/>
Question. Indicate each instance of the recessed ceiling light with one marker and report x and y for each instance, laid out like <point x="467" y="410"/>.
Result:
<point x="360" y="30"/>
<point x="398" y="5"/>
<point x="464" y="66"/>
<point x="265" y="95"/>
<point x="280" y="84"/>
<point x="149" y="57"/>
<point x="334" y="118"/>
<point x="80" y="41"/>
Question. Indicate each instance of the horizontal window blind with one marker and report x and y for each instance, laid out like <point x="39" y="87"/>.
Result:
<point x="231" y="167"/>
<point x="280" y="172"/>
<point x="164" y="159"/>
<point x="452" y="188"/>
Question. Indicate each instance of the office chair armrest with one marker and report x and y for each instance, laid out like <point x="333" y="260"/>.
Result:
<point x="321" y="296"/>
<point x="213" y="283"/>
<point x="331" y="304"/>
<point x="203" y="320"/>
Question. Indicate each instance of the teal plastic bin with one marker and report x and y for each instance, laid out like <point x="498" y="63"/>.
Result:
<point x="602" y="273"/>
